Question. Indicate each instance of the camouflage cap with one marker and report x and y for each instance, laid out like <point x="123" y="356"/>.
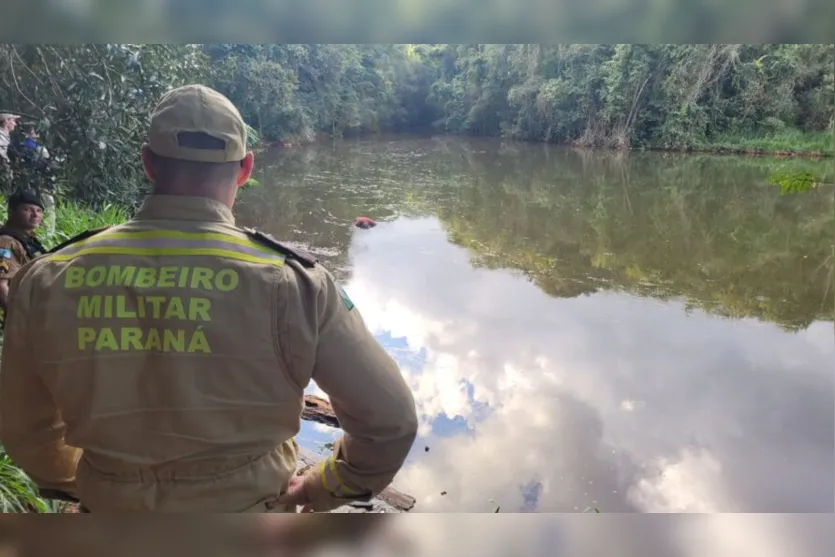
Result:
<point x="192" y="110"/>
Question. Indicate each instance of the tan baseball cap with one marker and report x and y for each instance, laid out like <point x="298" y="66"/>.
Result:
<point x="191" y="109"/>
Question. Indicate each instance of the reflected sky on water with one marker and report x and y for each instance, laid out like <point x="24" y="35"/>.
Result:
<point x="577" y="535"/>
<point x="562" y="357"/>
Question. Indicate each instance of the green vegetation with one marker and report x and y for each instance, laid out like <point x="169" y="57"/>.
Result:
<point x="633" y="96"/>
<point x="786" y="142"/>
<point x="795" y="182"/>
<point x="745" y="98"/>
<point x="17" y="492"/>
<point x="72" y="218"/>
<point x="91" y="101"/>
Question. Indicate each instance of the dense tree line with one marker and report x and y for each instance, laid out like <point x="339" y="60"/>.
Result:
<point x="633" y="95"/>
<point x="294" y="91"/>
<point x="597" y="95"/>
<point x="91" y="101"/>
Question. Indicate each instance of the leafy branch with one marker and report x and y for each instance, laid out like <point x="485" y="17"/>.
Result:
<point x="796" y="182"/>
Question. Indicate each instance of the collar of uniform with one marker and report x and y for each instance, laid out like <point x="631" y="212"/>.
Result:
<point x="181" y="207"/>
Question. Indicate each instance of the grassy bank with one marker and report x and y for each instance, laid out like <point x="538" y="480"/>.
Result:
<point x="17" y="492"/>
<point x="787" y="143"/>
<point x="784" y="144"/>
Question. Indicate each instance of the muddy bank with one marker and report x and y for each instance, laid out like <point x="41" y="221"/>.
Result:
<point x="707" y="149"/>
<point x="746" y="152"/>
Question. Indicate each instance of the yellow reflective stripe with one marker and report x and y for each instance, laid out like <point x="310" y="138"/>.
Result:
<point x="107" y="237"/>
<point x="330" y="477"/>
<point x="339" y="479"/>
<point x="175" y="243"/>
<point x="324" y="476"/>
<point x="173" y="235"/>
<point x="215" y="252"/>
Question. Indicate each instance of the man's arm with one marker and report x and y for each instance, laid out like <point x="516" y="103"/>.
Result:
<point x="31" y="428"/>
<point x="372" y="401"/>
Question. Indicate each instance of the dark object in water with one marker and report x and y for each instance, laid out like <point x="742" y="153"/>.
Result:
<point x="364" y="222"/>
<point x="317" y="409"/>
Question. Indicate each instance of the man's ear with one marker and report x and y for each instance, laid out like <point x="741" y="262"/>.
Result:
<point x="148" y="163"/>
<point x="247" y="164"/>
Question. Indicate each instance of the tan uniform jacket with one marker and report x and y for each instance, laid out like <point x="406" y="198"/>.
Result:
<point x="173" y="351"/>
<point x="13" y="256"/>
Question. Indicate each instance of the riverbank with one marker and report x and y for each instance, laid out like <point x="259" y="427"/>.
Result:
<point x="784" y="144"/>
<point x="788" y="143"/>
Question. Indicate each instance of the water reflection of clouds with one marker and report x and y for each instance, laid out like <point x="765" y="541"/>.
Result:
<point x="680" y="535"/>
<point x="605" y="400"/>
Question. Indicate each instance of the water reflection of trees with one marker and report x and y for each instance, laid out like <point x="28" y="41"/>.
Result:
<point x="706" y="229"/>
<point x="310" y="196"/>
<point x="290" y="213"/>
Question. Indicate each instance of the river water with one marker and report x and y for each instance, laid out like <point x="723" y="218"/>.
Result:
<point x="644" y="332"/>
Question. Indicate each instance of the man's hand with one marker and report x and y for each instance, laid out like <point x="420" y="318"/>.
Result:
<point x="296" y="495"/>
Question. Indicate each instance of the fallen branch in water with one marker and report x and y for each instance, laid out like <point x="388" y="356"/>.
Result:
<point x="317" y="409"/>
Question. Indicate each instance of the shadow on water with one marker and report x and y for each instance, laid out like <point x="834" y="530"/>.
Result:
<point x="642" y="332"/>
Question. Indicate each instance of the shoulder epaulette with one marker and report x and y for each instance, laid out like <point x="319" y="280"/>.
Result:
<point x="83" y="236"/>
<point x="19" y="236"/>
<point x="306" y="258"/>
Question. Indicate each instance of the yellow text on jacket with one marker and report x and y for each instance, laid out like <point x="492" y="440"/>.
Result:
<point x="147" y="339"/>
<point x="108" y="306"/>
<point x="194" y="278"/>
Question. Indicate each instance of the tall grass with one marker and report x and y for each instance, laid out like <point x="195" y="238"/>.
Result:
<point x="787" y="141"/>
<point x="72" y="219"/>
<point x="18" y="493"/>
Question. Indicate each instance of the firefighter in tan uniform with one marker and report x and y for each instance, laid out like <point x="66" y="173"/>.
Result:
<point x="160" y="365"/>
